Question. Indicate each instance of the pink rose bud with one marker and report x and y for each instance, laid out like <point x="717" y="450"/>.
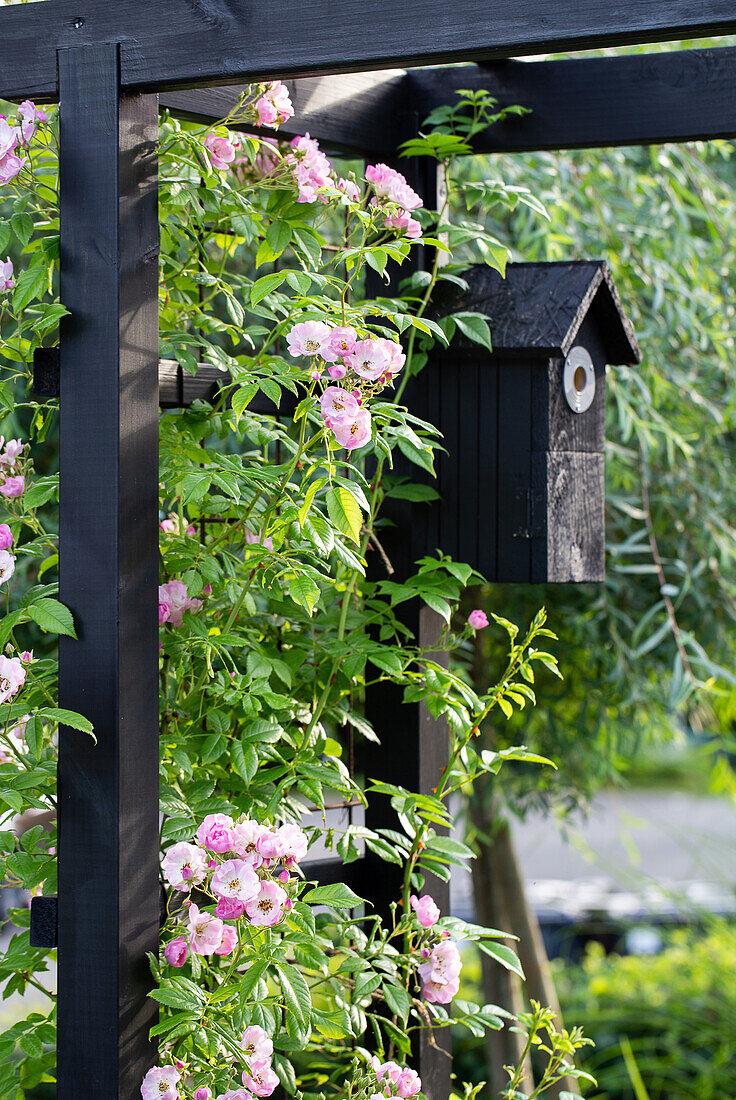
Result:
<point x="203" y="1094"/>
<point x="478" y="619"/>
<point x="211" y="863"/>
<point x="6" y="537"/>
<point x="179" y="1064"/>
<point x="425" y="952"/>
<point x="425" y="909"/>
<point x="27" y="655"/>
<point x="207" y="590"/>
<point x="284" y="876"/>
<point x="176" y="951"/>
<point x="315" y="375"/>
<point x="288" y="904"/>
<point x="336" y="371"/>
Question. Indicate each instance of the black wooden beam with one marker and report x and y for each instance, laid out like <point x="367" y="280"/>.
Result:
<point x="108" y="907"/>
<point x="642" y="99"/>
<point x="169" y="43"/>
<point x="354" y="113"/>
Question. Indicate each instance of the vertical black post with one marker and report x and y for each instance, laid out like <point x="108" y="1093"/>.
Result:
<point x="414" y="746"/>
<point x="108" y="791"/>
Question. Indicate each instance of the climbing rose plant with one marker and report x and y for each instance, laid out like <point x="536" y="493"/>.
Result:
<point x="272" y="628"/>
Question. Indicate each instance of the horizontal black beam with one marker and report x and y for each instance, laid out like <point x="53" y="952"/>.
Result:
<point x="642" y="99"/>
<point x="169" y="43"/>
<point x="354" y="113"/>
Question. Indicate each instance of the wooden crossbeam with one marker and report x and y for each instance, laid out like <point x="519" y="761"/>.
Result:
<point x="169" y="43"/>
<point x="352" y="113"/>
<point x="641" y="99"/>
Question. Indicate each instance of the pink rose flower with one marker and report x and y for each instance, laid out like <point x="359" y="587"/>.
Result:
<point x="184" y="865"/>
<point x="257" y="1045"/>
<point x="160" y="1083"/>
<point x="229" y="908"/>
<point x="205" y="931"/>
<point x="396" y="356"/>
<point x="7" y="566"/>
<point x="174" y="594"/>
<point x="229" y="941"/>
<point x="260" y="1079"/>
<point x="291" y="843"/>
<point x="13" y="451"/>
<point x="215" y="833"/>
<point x="388" y="1070"/>
<point x="12" y="677"/>
<point x="13" y="486"/>
<point x="409" y="1083"/>
<point x="8" y="137"/>
<point x="7" y="282"/>
<point x="266" y="907"/>
<point x="441" y="972"/>
<point x="403" y="223"/>
<point x="164" y="613"/>
<point x="10" y="167"/>
<point x="337" y="404"/>
<point x="354" y="433"/>
<point x="274" y="105"/>
<point x="370" y="359"/>
<point x="309" y="338"/>
<point x="235" y="878"/>
<point x="29" y="114"/>
<point x="176" y="951"/>
<point x="390" y="184"/>
<point x="342" y="341"/>
<point x="310" y="169"/>
<point x="6" y="537"/>
<point x="246" y="836"/>
<point x="478" y="619"/>
<point x="350" y="190"/>
<point x="425" y="909"/>
<point x="221" y="151"/>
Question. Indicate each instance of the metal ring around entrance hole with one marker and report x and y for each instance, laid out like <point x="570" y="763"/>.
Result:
<point x="578" y="379"/>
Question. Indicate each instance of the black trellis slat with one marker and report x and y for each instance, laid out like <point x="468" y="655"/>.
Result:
<point x="165" y="43"/>
<point x="108" y="907"/>
<point x="641" y="99"/>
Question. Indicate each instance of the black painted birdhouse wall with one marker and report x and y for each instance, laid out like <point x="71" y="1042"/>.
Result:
<point x="522" y="482"/>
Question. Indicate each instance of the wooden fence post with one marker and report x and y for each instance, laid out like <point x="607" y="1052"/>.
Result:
<point x="108" y="791"/>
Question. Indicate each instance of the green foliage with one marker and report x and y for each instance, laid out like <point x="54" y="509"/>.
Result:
<point x="671" y="1016"/>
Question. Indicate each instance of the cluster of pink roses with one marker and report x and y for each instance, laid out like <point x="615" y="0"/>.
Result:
<point x="174" y="600"/>
<point x="20" y="134"/>
<point x="273" y="105"/>
<point x="440" y="972"/>
<point x="12" y="477"/>
<point x="363" y="366"/>
<point x="394" y="198"/>
<point x="259" y="1078"/>
<point x="244" y="885"/>
<point x="394" y="1080"/>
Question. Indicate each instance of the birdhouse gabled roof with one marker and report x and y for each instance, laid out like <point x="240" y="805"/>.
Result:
<point x="541" y="306"/>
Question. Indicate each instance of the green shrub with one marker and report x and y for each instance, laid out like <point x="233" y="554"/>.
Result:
<point x="677" y="1009"/>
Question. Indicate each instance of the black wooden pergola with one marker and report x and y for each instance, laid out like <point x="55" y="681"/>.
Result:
<point x="111" y="65"/>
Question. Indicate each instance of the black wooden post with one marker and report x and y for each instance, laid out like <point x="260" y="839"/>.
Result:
<point x="414" y="746"/>
<point x="108" y="791"/>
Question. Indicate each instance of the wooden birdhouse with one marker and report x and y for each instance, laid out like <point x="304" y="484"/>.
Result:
<point x="522" y="482"/>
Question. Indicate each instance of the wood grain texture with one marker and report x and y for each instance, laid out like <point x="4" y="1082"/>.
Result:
<point x="572" y="548"/>
<point x="108" y="905"/>
<point x="350" y="113"/>
<point x="596" y="102"/>
<point x="165" y="43"/>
